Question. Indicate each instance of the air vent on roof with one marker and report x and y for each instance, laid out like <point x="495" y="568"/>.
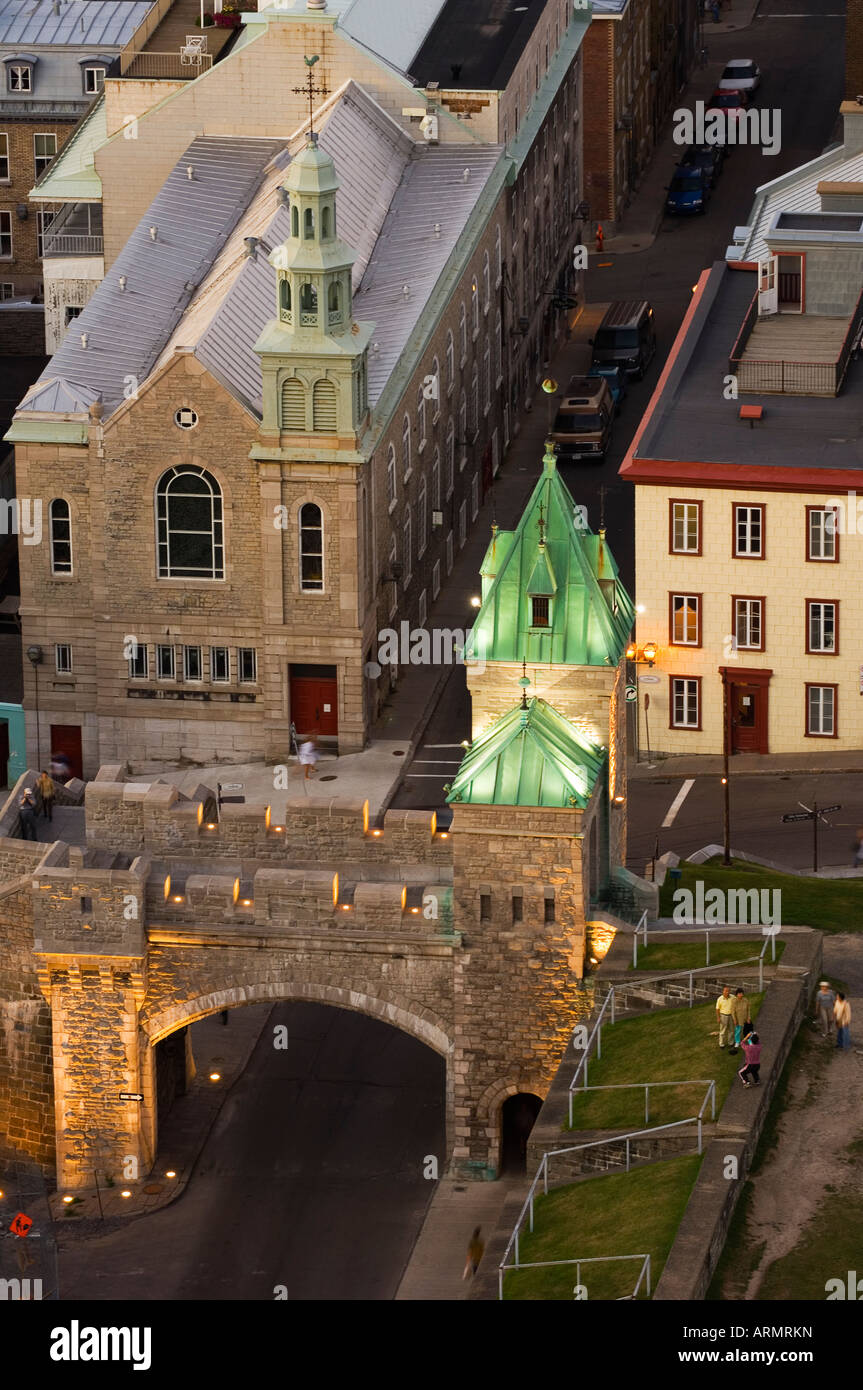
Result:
<point x="190" y="171"/>
<point x="251" y="244"/>
<point x="154" y="233"/>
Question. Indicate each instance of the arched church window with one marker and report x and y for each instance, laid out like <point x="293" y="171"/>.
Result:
<point x="335" y="297"/>
<point x="311" y="548"/>
<point x="309" y="223"/>
<point x="295" y="221"/>
<point x="326" y="220"/>
<point x="309" y="303"/>
<point x="189" y="525"/>
<point x="285" y="296"/>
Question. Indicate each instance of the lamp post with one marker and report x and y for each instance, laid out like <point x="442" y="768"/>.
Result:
<point x="726" y="787"/>
<point x="34" y="655"/>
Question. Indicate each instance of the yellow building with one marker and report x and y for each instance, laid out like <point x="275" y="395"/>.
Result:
<point x="749" y="538"/>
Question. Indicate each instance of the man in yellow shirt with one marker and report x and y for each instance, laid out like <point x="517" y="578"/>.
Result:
<point x="725" y="1016"/>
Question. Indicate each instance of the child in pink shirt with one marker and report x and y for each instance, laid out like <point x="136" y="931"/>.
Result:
<point x="751" y="1049"/>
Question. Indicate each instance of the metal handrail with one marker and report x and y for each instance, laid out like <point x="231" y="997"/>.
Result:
<point x="584" y="1260"/>
<point x="596" y="1032"/>
<point x="691" y="927"/>
<point x="635" y="1085"/>
<point x="542" y="1170"/>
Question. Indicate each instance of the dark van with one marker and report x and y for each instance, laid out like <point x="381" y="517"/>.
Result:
<point x="626" y="337"/>
<point x="582" y="426"/>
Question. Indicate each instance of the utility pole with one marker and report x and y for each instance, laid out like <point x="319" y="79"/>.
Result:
<point x="726" y="859"/>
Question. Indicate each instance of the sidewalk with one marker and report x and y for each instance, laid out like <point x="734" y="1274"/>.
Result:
<point x="435" y="1268"/>
<point x="217" y="1048"/>
<point x="820" y="761"/>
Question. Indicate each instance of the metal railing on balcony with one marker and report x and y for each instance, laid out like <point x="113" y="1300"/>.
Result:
<point x="68" y="244"/>
<point x="789" y="377"/>
<point x="173" y="67"/>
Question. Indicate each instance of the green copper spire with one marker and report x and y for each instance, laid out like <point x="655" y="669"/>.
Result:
<point x="551" y="591"/>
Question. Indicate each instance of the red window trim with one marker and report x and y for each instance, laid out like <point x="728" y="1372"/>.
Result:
<point x="819" y="651"/>
<point x="690" y="646"/>
<point x="752" y="506"/>
<point x="752" y="598"/>
<point x="818" y="684"/>
<point x="684" y="728"/>
<point x="687" y="502"/>
<point x="821" y="559"/>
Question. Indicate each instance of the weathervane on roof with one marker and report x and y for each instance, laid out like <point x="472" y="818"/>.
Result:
<point x="311" y="91"/>
<point x="524" y="682"/>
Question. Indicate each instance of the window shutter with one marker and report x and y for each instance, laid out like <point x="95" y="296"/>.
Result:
<point x="324" y="409"/>
<point x="293" y="405"/>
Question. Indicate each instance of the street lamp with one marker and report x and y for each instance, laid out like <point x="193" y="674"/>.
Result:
<point x="642" y="655"/>
<point x="34" y="655"/>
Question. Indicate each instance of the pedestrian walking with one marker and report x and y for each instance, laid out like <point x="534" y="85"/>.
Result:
<point x="714" y="10"/>
<point x="725" y="1015"/>
<point x="742" y="1021"/>
<point x="60" y="767"/>
<point x="474" y="1254"/>
<point x="842" y="1017"/>
<point x="308" y="756"/>
<point x="45" y="788"/>
<point x="825" y="999"/>
<point x="857" y="851"/>
<point x="749" y="1072"/>
<point x="27" y="815"/>
<point x="600" y="236"/>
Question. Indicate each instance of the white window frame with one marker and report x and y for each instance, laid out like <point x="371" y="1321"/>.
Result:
<point x="435" y="371"/>
<point x="407" y="547"/>
<point x="422" y="518"/>
<point x="826" y="533"/>
<point x="6" y="235"/>
<point x="392" y="487"/>
<point x="407" y="464"/>
<point x="747" y="552"/>
<point x="226" y="678"/>
<point x="689" y="508"/>
<point x="743" y="623"/>
<point x="100" y="74"/>
<point x="393" y="561"/>
<point x="435" y="579"/>
<point x="4" y="158"/>
<point x="462" y="334"/>
<point x="42" y="226"/>
<point x="815" y="614"/>
<point x="686" y="694"/>
<point x="63" y="658"/>
<point x="56" y="540"/>
<point x="43" y="159"/>
<point x="691" y="601"/>
<point x="474" y="497"/>
<point x="449" y="459"/>
<point x="313" y="588"/>
<point x="449" y="356"/>
<point x="24" y="74"/>
<point x="253" y="678"/>
<point x="421" y="420"/>
<point x="820" y="732"/>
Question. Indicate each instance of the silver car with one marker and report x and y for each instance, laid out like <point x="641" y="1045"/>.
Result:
<point x="740" y="75"/>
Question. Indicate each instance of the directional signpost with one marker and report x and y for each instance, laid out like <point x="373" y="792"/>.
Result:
<point x="816" y="814"/>
<point x="131" y="1095"/>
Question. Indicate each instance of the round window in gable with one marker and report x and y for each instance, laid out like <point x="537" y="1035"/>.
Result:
<point x="185" y="418"/>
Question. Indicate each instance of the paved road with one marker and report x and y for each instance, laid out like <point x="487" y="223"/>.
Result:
<point x="312" y="1177"/>
<point x="757" y="806"/>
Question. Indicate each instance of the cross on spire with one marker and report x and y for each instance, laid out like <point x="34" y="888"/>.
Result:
<point x="311" y="91"/>
<point x="541" y="525"/>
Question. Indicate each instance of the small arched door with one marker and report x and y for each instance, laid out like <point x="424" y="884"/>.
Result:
<point x="517" y="1118"/>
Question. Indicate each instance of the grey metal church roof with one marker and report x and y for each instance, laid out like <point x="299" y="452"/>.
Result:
<point x="78" y="21"/>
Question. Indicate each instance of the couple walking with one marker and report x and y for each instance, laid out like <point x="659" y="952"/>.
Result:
<point x="736" y="1030"/>
<point x="831" y="1007"/>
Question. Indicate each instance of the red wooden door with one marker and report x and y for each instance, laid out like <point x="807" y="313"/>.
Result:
<point x="314" y="701"/>
<point x="748" y="722"/>
<point x="66" y="743"/>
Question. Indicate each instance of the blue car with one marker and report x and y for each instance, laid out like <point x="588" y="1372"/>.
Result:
<point x="689" y="190"/>
<point x="616" y="378"/>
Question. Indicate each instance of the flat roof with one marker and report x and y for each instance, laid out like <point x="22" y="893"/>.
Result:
<point x="692" y="422"/>
<point x="482" y="42"/>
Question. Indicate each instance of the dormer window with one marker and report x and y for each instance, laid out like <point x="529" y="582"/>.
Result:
<point x="540" y="611"/>
<point x="309" y="224"/>
<point x="94" y="80"/>
<point x="19" y="77"/>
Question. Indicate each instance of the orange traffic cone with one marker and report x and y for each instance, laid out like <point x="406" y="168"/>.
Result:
<point x="600" y="235"/>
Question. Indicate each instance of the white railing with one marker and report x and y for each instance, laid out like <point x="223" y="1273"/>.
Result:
<point x="173" y="66"/>
<point x="542" y="1172"/>
<point x="595" y="1032"/>
<point x="644" y="1272"/>
<point x="660" y="976"/>
<point x="709" y="1095"/>
<point x="721" y="927"/>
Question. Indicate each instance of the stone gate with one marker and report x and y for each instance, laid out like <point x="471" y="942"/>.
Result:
<point x="166" y="916"/>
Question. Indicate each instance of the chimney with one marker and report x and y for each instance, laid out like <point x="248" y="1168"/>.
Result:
<point x="851" y="112"/>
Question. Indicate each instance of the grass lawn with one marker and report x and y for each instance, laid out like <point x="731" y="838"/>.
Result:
<point x="634" y="1213"/>
<point x="689" y="955"/>
<point x="832" y="905"/>
<point x="664" y="1045"/>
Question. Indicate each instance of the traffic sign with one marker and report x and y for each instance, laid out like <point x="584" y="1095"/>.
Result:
<point x="131" y="1095"/>
<point x="796" y="815"/>
<point x="822" y="810"/>
<point x="649" y="680"/>
<point x="631" y="693"/>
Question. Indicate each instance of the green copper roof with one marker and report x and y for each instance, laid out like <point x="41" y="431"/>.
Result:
<point x="530" y="757"/>
<point x="72" y="176"/>
<point x="590" y="613"/>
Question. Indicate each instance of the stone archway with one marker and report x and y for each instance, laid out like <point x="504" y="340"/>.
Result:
<point x="489" y="1111"/>
<point x="423" y="1025"/>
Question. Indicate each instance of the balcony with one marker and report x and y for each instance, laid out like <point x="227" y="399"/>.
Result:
<point x="68" y="244"/>
<point x="794" y="354"/>
<point x="75" y="230"/>
<point x="173" y="67"/>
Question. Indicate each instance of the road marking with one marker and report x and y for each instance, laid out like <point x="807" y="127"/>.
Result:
<point x="443" y="745"/>
<point x="678" y="802"/>
<point x="446" y="762"/>
<point x="435" y="776"/>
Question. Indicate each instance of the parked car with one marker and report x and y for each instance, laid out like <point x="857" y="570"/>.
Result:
<point x="707" y="157"/>
<point x="689" y="190"/>
<point x="616" y="378"/>
<point x="626" y="337"/>
<point x="582" y="426"/>
<point x="740" y="75"/>
<point x="728" y="100"/>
